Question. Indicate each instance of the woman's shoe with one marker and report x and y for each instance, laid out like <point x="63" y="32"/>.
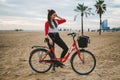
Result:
<point x="53" y="68"/>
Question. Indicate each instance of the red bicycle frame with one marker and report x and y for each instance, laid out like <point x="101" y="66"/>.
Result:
<point x="62" y="60"/>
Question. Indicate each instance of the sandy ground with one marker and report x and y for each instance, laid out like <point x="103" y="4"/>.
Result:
<point x="15" y="48"/>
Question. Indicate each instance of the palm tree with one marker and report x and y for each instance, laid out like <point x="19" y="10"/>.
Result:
<point x="83" y="10"/>
<point x="100" y="9"/>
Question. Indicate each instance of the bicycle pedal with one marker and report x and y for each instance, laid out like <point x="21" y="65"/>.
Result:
<point x="48" y="60"/>
<point x="59" y="65"/>
<point x="55" y="61"/>
<point x="62" y="65"/>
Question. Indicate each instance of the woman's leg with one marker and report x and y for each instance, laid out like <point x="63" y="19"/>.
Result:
<point x="52" y="46"/>
<point x="62" y="44"/>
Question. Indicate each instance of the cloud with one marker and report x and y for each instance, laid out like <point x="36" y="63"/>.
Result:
<point x="2" y="1"/>
<point x="34" y="12"/>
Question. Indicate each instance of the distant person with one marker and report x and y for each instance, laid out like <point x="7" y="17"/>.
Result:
<point x="52" y="32"/>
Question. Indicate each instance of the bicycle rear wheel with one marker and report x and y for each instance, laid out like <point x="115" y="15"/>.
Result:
<point x="84" y="66"/>
<point x="34" y="61"/>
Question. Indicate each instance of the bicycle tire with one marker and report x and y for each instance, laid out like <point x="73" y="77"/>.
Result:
<point x="36" y="65"/>
<point x="79" y="67"/>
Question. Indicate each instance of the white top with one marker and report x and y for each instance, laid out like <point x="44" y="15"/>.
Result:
<point x="54" y="29"/>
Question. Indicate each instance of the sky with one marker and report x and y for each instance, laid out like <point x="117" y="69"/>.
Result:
<point x="32" y="14"/>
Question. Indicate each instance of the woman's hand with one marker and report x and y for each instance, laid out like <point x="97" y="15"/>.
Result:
<point x="50" y="40"/>
<point x="58" y="17"/>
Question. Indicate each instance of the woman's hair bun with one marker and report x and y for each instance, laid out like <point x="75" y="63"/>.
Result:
<point x="49" y="10"/>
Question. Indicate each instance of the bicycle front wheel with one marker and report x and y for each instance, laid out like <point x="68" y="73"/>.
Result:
<point x="34" y="60"/>
<point x="85" y="65"/>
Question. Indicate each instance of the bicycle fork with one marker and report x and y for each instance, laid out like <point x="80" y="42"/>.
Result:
<point x="80" y="56"/>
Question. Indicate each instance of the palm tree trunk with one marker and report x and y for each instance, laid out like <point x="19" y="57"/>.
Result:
<point x="100" y="25"/>
<point x="82" y="24"/>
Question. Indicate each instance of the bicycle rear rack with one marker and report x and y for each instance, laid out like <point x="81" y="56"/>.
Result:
<point x="40" y="47"/>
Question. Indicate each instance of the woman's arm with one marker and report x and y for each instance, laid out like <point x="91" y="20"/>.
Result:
<point x="46" y="28"/>
<point x="60" y="20"/>
<point x="46" y="33"/>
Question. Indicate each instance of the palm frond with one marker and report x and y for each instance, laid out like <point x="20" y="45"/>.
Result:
<point x="76" y="10"/>
<point x="104" y="7"/>
<point x="75" y="17"/>
<point x="101" y="2"/>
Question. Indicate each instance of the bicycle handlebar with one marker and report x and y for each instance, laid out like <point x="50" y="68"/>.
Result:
<point x="72" y="34"/>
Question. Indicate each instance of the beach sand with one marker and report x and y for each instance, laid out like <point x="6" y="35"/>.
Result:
<point x="15" y="48"/>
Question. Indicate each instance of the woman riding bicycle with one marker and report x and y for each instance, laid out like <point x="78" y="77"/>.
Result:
<point x="41" y="60"/>
<point x="52" y="32"/>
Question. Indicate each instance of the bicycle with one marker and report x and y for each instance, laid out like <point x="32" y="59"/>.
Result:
<point x="82" y="61"/>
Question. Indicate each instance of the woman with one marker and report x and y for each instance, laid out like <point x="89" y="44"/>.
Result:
<point x="52" y="32"/>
